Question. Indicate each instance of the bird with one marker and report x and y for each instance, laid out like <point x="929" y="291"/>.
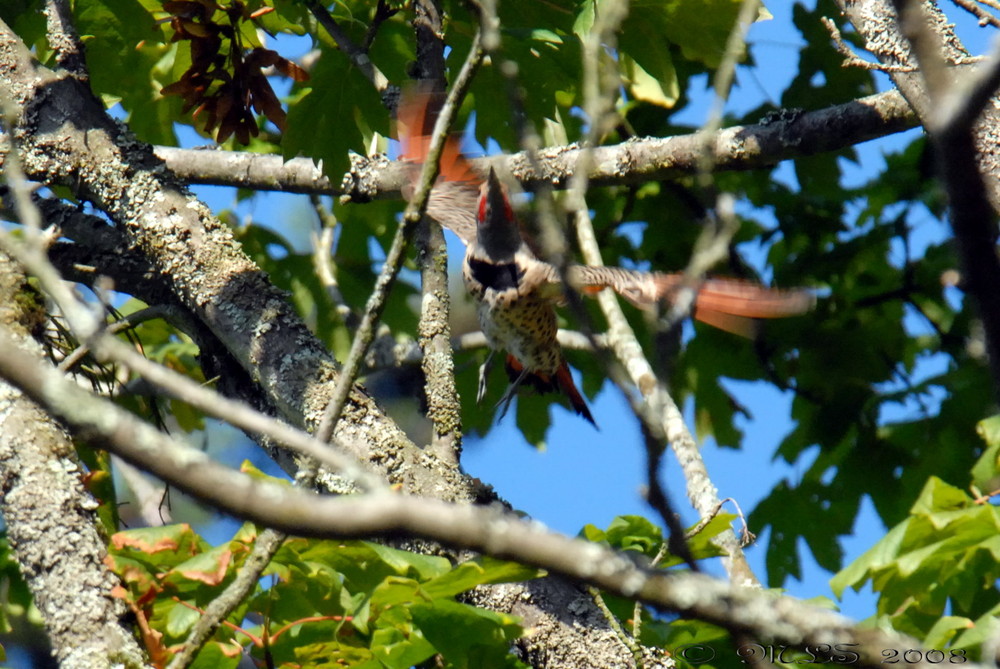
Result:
<point x="516" y="292"/>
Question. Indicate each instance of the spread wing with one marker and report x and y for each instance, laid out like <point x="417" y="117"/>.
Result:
<point x="728" y="304"/>
<point x="453" y="202"/>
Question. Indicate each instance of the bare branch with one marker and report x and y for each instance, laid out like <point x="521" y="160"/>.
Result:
<point x="358" y="55"/>
<point x="983" y="16"/>
<point x="49" y="517"/>
<point x="487" y="530"/>
<point x="804" y="133"/>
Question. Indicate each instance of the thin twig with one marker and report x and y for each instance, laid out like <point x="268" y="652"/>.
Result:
<point x="383" y="12"/>
<point x="982" y="16"/>
<point x="623" y="636"/>
<point x="598" y="91"/>
<point x="265" y="546"/>
<point x="322" y="256"/>
<point x="394" y="258"/>
<point x="148" y="495"/>
<point x="711" y="247"/>
<point x="359" y="57"/>
<point x="126" y="323"/>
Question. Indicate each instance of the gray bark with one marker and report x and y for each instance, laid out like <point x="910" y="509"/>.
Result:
<point x="50" y="517"/>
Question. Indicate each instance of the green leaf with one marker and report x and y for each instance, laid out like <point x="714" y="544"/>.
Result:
<point x="27" y="19"/>
<point x="701" y="544"/>
<point x="210" y="567"/>
<point x="466" y="636"/>
<point x="946" y="554"/>
<point x="397" y="649"/>
<point x="480" y="571"/>
<point x="169" y="545"/>
<point x="634" y="533"/>
<point x="128" y="55"/>
<point x="658" y="87"/>
<point x="215" y="655"/>
<point x="326" y="123"/>
<point x="700" y="29"/>
<point x="406" y="562"/>
<point x="938" y="496"/>
<point x="970" y="635"/>
<point x="180" y="619"/>
<point x="875" y="558"/>
<point x="986" y="471"/>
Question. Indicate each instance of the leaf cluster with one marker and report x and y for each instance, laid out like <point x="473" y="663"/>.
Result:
<point x="225" y="80"/>
<point x="936" y="572"/>
<point x="320" y="603"/>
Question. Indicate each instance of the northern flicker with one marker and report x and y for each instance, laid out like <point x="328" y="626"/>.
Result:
<point x="516" y="292"/>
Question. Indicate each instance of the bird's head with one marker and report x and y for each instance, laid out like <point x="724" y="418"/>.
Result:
<point x="498" y="232"/>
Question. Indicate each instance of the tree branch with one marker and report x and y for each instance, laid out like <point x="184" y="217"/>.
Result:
<point x="394" y="258"/>
<point x="651" y="159"/>
<point x="64" y="39"/>
<point x="49" y="517"/>
<point x="951" y="102"/>
<point x="491" y="530"/>
<point x="358" y="55"/>
<point x="66" y="137"/>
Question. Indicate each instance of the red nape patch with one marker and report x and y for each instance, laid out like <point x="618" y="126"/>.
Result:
<point x="483" y="204"/>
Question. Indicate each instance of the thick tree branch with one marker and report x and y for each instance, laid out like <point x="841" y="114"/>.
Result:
<point x="763" y="616"/>
<point x="49" y="517"/>
<point x="66" y="137"/>
<point x="793" y="135"/>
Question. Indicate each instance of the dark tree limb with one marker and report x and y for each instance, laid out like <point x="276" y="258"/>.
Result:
<point x="952" y="102"/>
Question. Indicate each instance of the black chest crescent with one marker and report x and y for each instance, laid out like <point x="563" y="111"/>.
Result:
<point x="503" y="276"/>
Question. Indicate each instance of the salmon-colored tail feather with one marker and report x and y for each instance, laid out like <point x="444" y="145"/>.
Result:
<point x="561" y="383"/>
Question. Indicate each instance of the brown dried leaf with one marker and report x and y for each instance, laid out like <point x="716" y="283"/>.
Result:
<point x="260" y="58"/>
<point x="291" y="70"/>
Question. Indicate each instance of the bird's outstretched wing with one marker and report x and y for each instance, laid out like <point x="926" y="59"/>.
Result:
<point x="728" y="304"/>
<point x="455" y="196"/>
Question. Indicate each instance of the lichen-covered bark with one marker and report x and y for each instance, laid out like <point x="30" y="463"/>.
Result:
<point x="64" y="136"/>
<point x="50" y="516"/>
<point x="792" y="134"/>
